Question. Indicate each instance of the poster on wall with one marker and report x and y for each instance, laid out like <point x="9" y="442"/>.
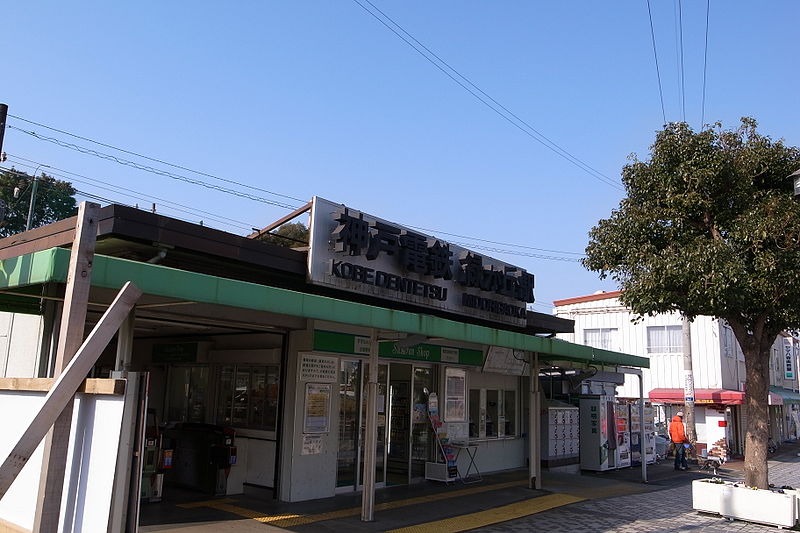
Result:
<point x="455" y="395"/>
<point x="501" y="360"/>
<point x="317" y="411"/>
<point x="317" y="368"/>
<point x="312" y="445"/>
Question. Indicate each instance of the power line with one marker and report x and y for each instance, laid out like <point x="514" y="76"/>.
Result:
<point x="705" y="68"/>
<point x="494" y="242"/>
<point x="682" y="71"/>
<point x="156" y="160"/>
<point x="655" y="57"/>
<point x="240" y="224"/>
<point x="152" y="170"/>
<point x="517" y="252"/>
<point x="468" y="86"/>
<point x="66" y="174"/>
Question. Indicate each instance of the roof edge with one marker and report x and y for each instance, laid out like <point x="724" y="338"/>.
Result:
<point x="588" y="298"/>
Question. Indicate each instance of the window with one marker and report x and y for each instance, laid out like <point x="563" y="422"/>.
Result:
<point x="492" y="413"/>
<point x="664" y="339"/>
<point x="248" y="396"/>
<point x="187" y="388"/>
<point x="729" y="343"/>
<point x="603" y="338"/>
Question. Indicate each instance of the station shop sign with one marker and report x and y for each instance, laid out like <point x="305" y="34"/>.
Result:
<point x="345" y="343"/>
<point x="357" y="252"/>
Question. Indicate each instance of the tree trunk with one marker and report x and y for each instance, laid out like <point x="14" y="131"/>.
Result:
<point x="756" y="360"/>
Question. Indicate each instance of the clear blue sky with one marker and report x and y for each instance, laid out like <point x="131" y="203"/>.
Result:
<point x="319" y="98"/>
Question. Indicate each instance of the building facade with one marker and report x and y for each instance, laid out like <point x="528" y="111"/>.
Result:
<point x="283" y="348"/>
<point x="717" y="362"/>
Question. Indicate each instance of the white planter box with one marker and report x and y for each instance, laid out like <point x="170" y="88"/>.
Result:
<point x="707" y="496"/>
<point x="751" y="505"/>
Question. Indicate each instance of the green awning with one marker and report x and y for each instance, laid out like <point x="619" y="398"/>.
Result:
<point x="50" y="266"/>
<point x="788" y="396"/>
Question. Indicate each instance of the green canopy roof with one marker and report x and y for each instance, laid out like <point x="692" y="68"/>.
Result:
<point x="788" y="396"/>
<point x="50" y="266"/>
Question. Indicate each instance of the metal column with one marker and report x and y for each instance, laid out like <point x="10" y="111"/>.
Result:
<point x="371" y="436"/>
<point x="534" y="427"/>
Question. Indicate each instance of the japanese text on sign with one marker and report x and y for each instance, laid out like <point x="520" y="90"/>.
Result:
<point x="317" y="368"/>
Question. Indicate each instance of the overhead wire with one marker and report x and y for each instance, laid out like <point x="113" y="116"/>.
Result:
<point x="152" y="170"/>
<point x="241" y="224"/>
<point x="156" y="160"/>
<point x="482" y="96"/>
<point x="182" y="208"/>
<point x="655" y="57"/>
<point x="705" y="69"/>
<point x="141" y="196"/>
<point x="683" y="71"/>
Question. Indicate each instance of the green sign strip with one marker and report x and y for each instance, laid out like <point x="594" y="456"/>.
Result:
<point x="331" y="341"/>
<point x="185" y="352"/>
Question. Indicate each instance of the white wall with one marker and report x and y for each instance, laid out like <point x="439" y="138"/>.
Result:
<point x="666" y="370"/>
<point x="91" y="457"/>
<point x="20" y="342"/>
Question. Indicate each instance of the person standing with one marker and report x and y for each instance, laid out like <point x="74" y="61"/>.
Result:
<point x="677" y="435"/>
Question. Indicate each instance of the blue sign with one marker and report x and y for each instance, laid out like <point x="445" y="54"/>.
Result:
<point x="688" y="399"/>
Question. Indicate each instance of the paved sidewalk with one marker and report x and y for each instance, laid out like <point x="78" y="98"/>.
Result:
<point x="668" y="510"/>
<point x="613" y="501"/>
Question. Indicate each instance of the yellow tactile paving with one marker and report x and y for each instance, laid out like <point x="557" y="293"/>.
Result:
<point x="290" y="520"/>
<point x="492" y="516"/>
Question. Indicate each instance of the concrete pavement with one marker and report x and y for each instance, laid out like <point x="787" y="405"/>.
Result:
<point x="603" y="502"/>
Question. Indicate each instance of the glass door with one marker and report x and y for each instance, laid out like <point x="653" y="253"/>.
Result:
<point x="421" y="433"/>
<point x="399" y="422"/>
<point x="382" y="403"/>
<point x="353" y="395"/>
<point x="349" y="414"/>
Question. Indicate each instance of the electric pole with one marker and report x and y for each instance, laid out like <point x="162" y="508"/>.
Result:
<point x="3" y="117"/>
<point x="688" y="381"/>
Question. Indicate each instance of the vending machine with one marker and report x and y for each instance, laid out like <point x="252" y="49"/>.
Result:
<point x="649" y="434"/>
<point x="598" y="434"/>
<point x="622" y="453"/>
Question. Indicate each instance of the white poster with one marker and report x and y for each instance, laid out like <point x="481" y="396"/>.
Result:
<point x="455" y="395"/>
<point x="317" y="413"/>
<point x="312" y="445"/>
<point x="317" y="368"/>
<point x="688" y="386"/>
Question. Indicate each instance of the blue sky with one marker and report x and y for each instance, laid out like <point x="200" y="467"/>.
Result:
<point x="319" y="98"/>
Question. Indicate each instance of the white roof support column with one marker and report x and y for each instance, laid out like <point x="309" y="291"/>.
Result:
<point x="534" y="426"/>
<point x="371" y="435"/>
<point x="642" y="441"/>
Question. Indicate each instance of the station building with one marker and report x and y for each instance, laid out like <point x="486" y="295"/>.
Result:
<point x="277" y="343"/>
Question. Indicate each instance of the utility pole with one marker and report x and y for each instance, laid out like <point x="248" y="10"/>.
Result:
<point x="688" y="381"/>
<point x="3" y="117"/>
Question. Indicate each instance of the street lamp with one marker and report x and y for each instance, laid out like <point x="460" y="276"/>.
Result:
<point x="35" y="186"/>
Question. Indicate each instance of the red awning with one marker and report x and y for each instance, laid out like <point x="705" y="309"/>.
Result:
<point x="717" y="396"/>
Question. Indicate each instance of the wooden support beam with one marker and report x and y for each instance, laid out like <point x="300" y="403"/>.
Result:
<point x="280" y="221"/>
<point x="114" y="387"/>
<point x="73" y="322"/>
<point x="67" y="384"/>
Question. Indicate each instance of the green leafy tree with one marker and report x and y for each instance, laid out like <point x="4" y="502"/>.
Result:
<point x="55" y="200"/>
<point x="709" y="227"/>
<point x="289" y="235"/>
